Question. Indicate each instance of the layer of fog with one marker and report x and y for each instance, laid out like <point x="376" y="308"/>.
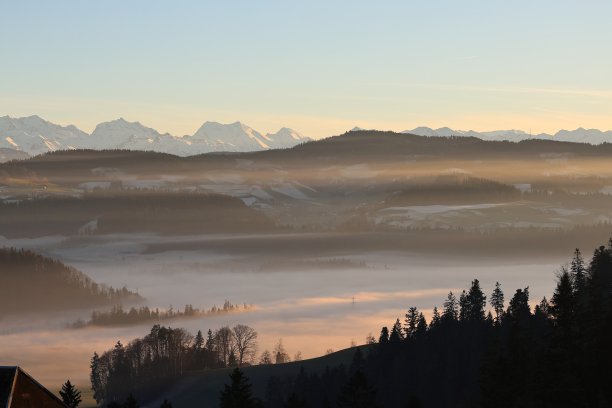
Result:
<point x="312" y="308"/>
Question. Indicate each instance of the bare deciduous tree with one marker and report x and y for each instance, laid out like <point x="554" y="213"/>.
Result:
<point x="266" y="358"/>
<point x="245" y="340"/>
<point x="280" y="354"/>
<point x="224" y="339"/>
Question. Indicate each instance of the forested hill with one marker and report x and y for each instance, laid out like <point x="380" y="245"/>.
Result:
<point x="125" y="211"/>
<point x="357" y="146"/>
<point x="33" y="283"/>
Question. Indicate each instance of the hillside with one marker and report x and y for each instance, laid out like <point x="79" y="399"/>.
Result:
<point x="34" y="283"/>
<point x="125" y="211"/>
<point x="201" y="388"/>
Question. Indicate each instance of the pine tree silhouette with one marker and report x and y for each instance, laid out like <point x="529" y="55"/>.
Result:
<point x="238" y="394"/>
<point x="70" y="395"/>
<point x="357" y="393"/>
<point x="497" y="302"/>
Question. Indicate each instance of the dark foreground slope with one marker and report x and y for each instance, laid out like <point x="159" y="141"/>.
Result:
<point x="202" y="388"/>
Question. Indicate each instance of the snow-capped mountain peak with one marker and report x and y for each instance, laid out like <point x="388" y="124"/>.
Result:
<point x="35" y="135"/>
<point x="580" y="135"/>
<point x="286" y="138"/>
<point x="233" y="137"/>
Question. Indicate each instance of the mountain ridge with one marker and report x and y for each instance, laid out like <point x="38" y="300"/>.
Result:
<point x="33" y="135"/>
<point x="579" y="135"/>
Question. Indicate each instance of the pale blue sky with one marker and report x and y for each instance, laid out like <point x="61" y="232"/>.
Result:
<point x="320" y="67"/>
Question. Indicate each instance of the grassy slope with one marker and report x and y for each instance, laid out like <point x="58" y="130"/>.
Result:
<point x="201" y="388"/>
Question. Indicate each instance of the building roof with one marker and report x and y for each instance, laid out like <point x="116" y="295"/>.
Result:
<point x="9" y="378"/>
<point x="7" y="382"/>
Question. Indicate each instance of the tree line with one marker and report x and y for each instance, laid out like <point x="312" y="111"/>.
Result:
<point x="556" y="354"/>
<point x="118" y="316"/>
<point x="147" y="363"/>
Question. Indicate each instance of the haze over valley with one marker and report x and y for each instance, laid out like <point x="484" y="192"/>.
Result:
<point x="316" y="204"/>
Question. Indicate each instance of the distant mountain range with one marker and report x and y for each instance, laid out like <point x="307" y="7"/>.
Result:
<point x="29" y="136"/>
<point x="580" y="135"/>
<point x="32" y="135"/>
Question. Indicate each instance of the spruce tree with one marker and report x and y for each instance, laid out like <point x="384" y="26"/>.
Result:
<point x="518" y="309"/>
<point x="463" y="306"/>
<point x="451" y="308"/>
<point x="357" y="393"/>
<point x="577" y="271"/>
<point x="198" y="341"/>
<point x="497" y="302"/>
<point x="384" y="335"/>
<point x="396" y="332"/>
<point x="421" y="325"/>
<point x="542" y="310"/>
<point x="476" y="302"/>
<point x="238" y="394"/>
<point x="562" y="302"/>
<point x="165" y="404"/>
<point x="412" y="318"/>
<point x="435" y="318"/>
<point x="70" y="395"/>
<point x="94" y="377"/>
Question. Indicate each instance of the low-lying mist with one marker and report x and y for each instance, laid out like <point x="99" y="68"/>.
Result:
<point x="325" y="302"/>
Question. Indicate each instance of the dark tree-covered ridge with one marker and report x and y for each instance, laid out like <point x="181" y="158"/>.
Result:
<point x="556" y="355"/>
<point x="34" y="283"/>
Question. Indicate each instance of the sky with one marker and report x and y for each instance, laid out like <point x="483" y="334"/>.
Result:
<point x="319" y="67"/>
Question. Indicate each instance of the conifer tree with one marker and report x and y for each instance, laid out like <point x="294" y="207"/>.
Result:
<point x="577" y="271"/>
<point x="421" y="325"/>
<point x="562" y="301"/>
<point x="396" y="332"/>
<point x="542" y="310"/>
<point x="497" y="302"/>
<point x="357" y="393"/>
<point x="70" y="395"/>
<point x="463" y="306"/>
<point x="489" y="319"/>
<point x="384" y="335"/>
<point x="165" y="404"/>
<point x="238" y="394"/>
<point x="198" y="341"/>
<point x="412" y="318"/>
<point x="94" y="377"/>
<point x="358" y="362"/>
<point x="451" y="308"/>
<point x="518" y="309"/>
<point x="476" y="302"/>
<point x="435" y="318"/>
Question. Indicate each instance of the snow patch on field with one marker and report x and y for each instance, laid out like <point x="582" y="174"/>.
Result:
<point x="92" y="185"/>
<point x="606" y="190"/>
<point x="289" y="190"/>
<point x="438" y="209"/>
